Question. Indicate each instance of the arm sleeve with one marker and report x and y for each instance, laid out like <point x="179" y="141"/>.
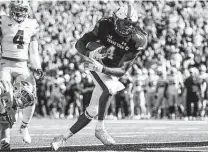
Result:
<point x="118" y="72"/>
<point x="88" y="37"/>
<point x="34" y="53"/>
<point x="35" y="26"/>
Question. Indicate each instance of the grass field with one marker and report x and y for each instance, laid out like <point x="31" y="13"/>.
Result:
<point x="130" y="135"/>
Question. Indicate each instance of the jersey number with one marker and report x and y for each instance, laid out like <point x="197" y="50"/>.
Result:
<point x="18" y="39"/>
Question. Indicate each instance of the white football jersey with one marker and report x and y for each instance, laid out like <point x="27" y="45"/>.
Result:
<point x="16" y="37"/>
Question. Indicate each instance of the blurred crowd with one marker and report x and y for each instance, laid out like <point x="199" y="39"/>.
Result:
<point x="168" y="80"/>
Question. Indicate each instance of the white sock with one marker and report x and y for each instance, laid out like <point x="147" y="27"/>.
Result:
<point x="28" y="114"/>
<point x="100" y="124"/>
<point x="67" y="134"/>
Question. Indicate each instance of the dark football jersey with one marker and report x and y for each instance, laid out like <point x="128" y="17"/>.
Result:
<point x="193" y="85"/>
<point x="118" y="46"/>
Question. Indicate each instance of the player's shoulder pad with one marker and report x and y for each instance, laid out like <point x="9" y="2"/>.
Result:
<point x="140" y="38"/>
<point x="102" y="21"/>
<point x="106" y="19"/>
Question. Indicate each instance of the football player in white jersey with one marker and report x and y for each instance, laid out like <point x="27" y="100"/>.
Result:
<point x="174" y="88"/>
<point x="161" y="92"/>
<point x="19" y="45"/>
<point x="150" y="88"/>
<point x="21" y="95"/>
<point x="138" y="94"/>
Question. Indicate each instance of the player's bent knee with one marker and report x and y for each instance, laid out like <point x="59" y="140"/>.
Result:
<point x="91" y="112"/>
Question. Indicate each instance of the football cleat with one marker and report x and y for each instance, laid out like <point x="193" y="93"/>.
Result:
<point x="104" y="137"/>
<point x="57" y="142"/>
<point x="5" y="145"/>
<point x="25" y="134"/>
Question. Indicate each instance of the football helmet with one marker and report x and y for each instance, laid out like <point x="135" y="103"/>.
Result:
<point x="24" y="94"/>
<point x="19" y="10"/>
<point x="125" y="20"/>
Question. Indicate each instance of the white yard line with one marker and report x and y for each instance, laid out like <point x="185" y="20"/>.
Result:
<point x="187" y="128"/>
<point x="156" y="128"/>
<point x="129" y="136"/>
<point x="124" y="134"/>
<point x="155" y="122"/>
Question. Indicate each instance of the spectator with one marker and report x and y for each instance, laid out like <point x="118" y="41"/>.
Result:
<point x="193" y="93"/>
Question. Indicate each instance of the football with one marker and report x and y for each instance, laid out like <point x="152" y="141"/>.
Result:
<point x="94" y="45"/>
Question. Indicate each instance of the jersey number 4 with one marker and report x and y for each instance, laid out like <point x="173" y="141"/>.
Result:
<point x="18" y="39"/>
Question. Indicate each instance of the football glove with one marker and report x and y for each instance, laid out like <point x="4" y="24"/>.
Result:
<point x="93" y="65"/>
<point x="98" y="53"/>
<point x="38" y="74"/>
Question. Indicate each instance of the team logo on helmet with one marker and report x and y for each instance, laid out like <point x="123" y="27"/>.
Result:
<point x="125" y="19"/>
<point x="19" y="10"/>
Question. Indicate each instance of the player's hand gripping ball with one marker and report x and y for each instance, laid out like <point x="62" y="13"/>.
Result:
<point x="97" y="50"/>
<point x="93" y="65"/>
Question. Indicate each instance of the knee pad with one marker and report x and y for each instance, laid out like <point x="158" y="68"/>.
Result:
<point x="91" y="111"/>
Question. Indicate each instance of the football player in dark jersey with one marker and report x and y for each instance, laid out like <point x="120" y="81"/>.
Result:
<point x="121" y="40"/>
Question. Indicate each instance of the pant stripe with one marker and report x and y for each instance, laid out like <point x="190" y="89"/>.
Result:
<point x="99" y="81"/>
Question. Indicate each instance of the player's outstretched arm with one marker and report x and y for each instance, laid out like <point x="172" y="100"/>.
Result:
<point x="118" y="72"/>
<point x="34" y="58"/>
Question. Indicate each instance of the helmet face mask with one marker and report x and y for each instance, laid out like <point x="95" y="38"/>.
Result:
<point x="125" y="19"/>
<point x="23" y="94"/>
<point x="19" y="10"/>
<point x="124" y="27"/>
